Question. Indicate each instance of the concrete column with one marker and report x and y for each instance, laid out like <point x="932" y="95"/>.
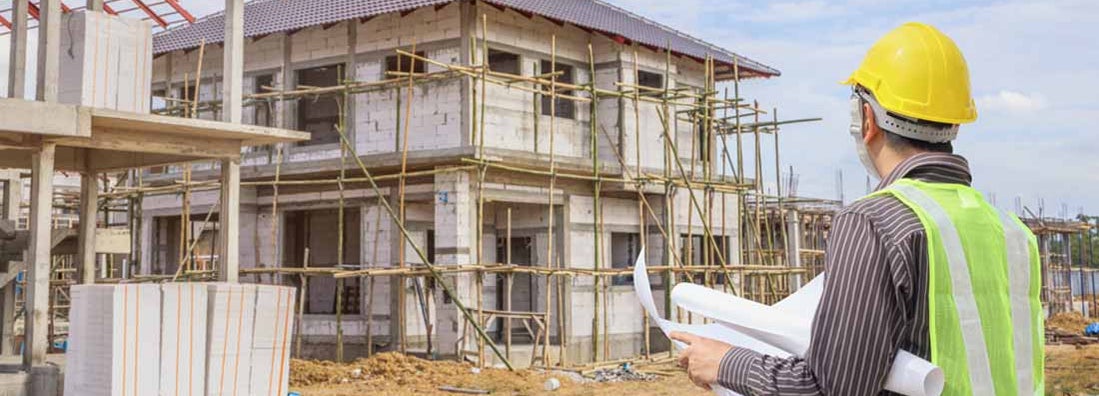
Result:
<point x="229" y="221"/>
<point x="17" y="58"/>
<point x="95" y="5"/>
<point x="13" y="196"/>
<point x="233" y="63"/>
<point x="455" y="232"/>
<point x="287" y="109"/>
<point x="38" y="260"/>
<point x="793" y="247"/>
<point x="49" y="49"/>
<point x="349" y="74"/>
<point x="89" y="196"/>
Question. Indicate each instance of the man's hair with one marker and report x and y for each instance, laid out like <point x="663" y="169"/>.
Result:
<point x="903" y="144"/>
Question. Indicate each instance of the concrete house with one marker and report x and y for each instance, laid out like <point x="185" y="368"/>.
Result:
<point x="455" y="193"/>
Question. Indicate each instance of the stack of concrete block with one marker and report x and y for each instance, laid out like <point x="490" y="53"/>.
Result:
<point x="183" y="339"/>
<point x="106" y="62"/>
<point x="114" y="336"/>
<point x="230" y="327"/>
<point x="180" y="339"/>
<point x="270" y="373"/>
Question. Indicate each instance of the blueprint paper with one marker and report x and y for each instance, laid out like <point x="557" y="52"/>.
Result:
<point x="781" y="330"/>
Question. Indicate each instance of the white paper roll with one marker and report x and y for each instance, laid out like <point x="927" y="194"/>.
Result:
<point x="781" y="330"/>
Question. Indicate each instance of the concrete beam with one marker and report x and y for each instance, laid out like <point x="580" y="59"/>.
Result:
<point x="89" y="197"/>
<point x="17" y="58"/>
<point x="38" y="271"/>
<point x="229" y="221"/>
<point x="49" y="50"/>
<point x="233" y="62"/>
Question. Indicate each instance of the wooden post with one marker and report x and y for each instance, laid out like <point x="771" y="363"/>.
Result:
<point x="229" y="221"/>
<point x="89" y="192"/>
<point x="17" y="57"/>
<point x="233" y="67"/>
<point x="38" y="271"/>
<point x="49" y="49"/>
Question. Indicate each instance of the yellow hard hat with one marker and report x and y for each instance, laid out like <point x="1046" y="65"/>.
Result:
<point x="917" y="71"/>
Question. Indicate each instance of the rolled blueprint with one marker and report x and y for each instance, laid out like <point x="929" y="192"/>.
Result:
<point x="781" y="330"/>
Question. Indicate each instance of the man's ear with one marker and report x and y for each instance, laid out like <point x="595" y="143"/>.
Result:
<point x="869" y="125"/>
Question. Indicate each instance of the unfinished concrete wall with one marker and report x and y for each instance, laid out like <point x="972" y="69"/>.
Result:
<point x="158" y="206"/>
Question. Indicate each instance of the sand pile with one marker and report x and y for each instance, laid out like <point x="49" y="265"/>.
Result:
<point x="1072" y="322"/>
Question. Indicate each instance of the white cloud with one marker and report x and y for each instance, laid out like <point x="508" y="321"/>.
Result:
<point x="793" y="11"/>
<point x="1012" y="102"/>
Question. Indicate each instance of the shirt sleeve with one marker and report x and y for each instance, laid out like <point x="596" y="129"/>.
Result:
<point x="857" y="329"/>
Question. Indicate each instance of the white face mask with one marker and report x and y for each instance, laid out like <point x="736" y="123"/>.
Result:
<point x="860" y="145"/>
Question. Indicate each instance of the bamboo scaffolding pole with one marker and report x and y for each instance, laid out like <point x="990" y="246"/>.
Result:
<point x="423" y="256"/>
<point x="551" y="216"/>
<point x="401" y="281"/>
<point x="596" y="208"/>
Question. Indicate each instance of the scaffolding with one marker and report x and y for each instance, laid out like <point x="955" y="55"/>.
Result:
<point x="1065" y="250"/>
<point x="760" y="270"/>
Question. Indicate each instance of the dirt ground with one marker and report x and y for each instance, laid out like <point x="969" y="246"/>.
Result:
<point x="395" y="374"/>
<point x="1070" y="370"/>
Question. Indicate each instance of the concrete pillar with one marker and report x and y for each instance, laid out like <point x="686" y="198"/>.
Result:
<point x="233" y="62"/>
<point x="13" y="196"/>
<point x="89" y="196"/>
<point x="17" y="57"/>
<point x="455" y="232"/>
<point x="287" y="109"/>
<point x="95" y="5"/>
<point x="349" y="74"/>
<point x="229" y="221"/>
<point x="38" y="260"/>
<point x="793" y="247"/>
<point x="49" y="49"/>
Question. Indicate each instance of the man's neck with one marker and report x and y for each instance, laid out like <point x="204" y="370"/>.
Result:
<point x="890" y="159"/>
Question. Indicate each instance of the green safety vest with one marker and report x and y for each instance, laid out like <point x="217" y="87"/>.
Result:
<point x="983" y="290"/>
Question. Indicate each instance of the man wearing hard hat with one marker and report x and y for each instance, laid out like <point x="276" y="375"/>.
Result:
<point x="923" y="264"/>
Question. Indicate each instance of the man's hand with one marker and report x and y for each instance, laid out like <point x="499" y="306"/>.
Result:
<point x="701" y="358"/>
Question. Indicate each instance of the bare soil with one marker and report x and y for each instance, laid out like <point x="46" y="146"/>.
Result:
<point x="1070" y="370"/>
<point x="395" y="374"/>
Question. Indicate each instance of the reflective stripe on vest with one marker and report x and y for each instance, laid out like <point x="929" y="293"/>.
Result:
<point x="980" y="373"/>
<point x="984" y="281"/>
<point x="1024" y="315"/>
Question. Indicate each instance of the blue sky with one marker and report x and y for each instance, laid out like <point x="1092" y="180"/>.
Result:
<point x="1034" y="69"/>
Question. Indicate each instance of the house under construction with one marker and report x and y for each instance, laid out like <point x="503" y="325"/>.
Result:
<point x="478" y="179"/>
<point x="528" y="150"/>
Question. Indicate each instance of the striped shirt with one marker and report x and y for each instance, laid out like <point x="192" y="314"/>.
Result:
<point x="874" y="303"/>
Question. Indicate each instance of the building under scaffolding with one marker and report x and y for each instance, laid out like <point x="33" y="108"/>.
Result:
<point x="481" y="175"/>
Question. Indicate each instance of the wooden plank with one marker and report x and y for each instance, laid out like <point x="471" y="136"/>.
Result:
<point x="38" y="272"/>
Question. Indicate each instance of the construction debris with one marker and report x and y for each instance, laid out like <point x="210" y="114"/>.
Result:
<point x="623" y="372"/>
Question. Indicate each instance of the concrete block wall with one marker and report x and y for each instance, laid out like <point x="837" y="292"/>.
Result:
<point x="201" y="202"/>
